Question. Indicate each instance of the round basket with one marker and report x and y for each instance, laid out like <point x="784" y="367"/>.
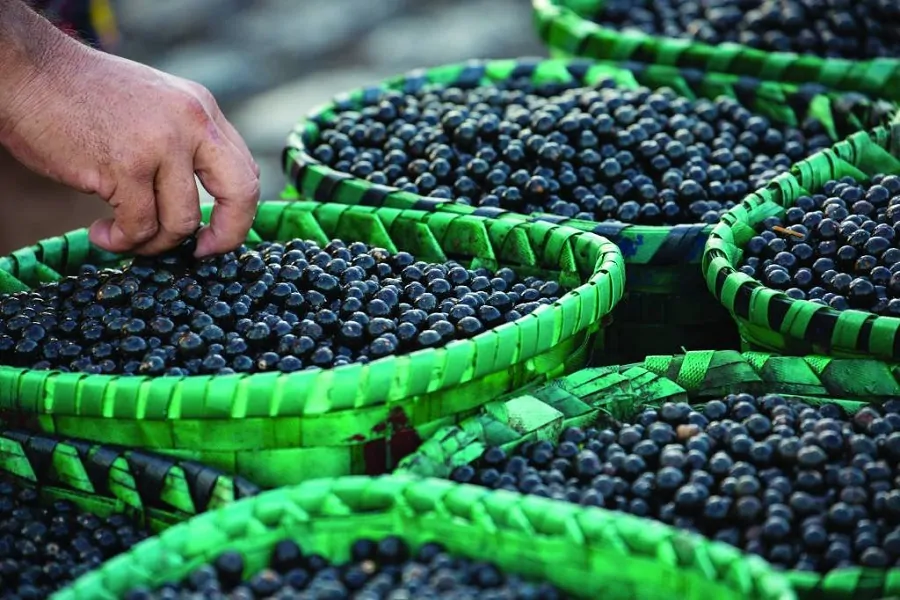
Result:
<point x="588" y="552"/>
<point x="283" y="428"/>
<point x="654" y="317"/>
<point x="770" y="320"/>
<point x="619" y="391"/>
<point x="562" y="25"/>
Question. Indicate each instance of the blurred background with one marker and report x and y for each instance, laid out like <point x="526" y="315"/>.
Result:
<point x="268" y="62"/>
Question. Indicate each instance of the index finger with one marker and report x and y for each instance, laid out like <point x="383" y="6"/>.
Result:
<point x="230" y="178"/>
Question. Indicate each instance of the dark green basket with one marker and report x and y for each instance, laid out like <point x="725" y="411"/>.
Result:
<point x="590" y="553"/>
<point x="158" y="491"/>
<point x="562" y="25"/>
<point x="665" y="309"/>
<point x="542" y="412"/>
<point x="354" y="419"/>
<point x="769" y="319"/>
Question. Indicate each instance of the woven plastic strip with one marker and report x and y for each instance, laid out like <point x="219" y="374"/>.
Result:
<point x="284" y="428"/>
<point x="641" y="244"/>
<point x="592" y="395"/>
<point x="589" y="552"/>
<point x="770" y="320"/>
<point x="562" y="25"/>
<point x="159" y="490"/>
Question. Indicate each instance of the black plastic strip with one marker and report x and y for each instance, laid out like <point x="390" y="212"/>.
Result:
<point x="471" y="74"/>
<point x="611" y="231"/>
<point x="201" y="482"/>
<point x="326" y="188"/>
<point x="98" y="465"/>
<point x="244" y="488"/>
<point x="490" y="212"/>
<point x="578" y="69"/>
<point x="721" y="278"/>
<point x="372" y="94"/>
<point x="414" y="83"/>
<point x="742" y="300"/>
<point x="555" y="219"/>
<point x="820" y="328"/>
<point x="865" y="334"/>
<point x="39" y="450"/>
<point x="375" y="195"/>
<point x="668" y="251"/>
<point x="430" y="204"/>
<point x="525" y="67"/>
<point x="745" y="91"/>
<point x="149" y="473"/>
<point x="778" y="308"/>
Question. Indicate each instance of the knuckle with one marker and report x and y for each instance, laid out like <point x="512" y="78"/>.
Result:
<point x="186" y="226"/>
<point x="142" y="232"/>
<point x="196" y="109"/>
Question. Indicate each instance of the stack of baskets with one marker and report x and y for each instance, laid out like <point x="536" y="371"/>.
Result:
<point x="653" y="315"/>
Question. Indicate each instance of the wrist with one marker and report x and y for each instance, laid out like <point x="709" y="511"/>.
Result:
<point x="34" y="58"/>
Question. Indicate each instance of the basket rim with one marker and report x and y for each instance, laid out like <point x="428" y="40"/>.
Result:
<point x="608" y="274"/>
<point x="359" y="497"/>
<point x="556" y="10"/>
<point x="719" y="271"/>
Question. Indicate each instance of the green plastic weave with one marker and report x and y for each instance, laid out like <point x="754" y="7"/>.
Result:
<point x="770" y="320"/>
<point x="157" y="490"/>
<point x="591" y="553"/>
<point x="562" y="25"/>
<point x="618" y="392"/>
<point x="284" y="428"/>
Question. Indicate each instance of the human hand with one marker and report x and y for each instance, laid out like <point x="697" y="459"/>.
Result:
<point x="136" y="137"/>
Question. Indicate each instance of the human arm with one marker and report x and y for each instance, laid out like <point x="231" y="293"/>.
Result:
<point x="129" y="133"/>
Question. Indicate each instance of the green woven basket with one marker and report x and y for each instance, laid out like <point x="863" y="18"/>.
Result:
<point x="542" y="412"/>
<point x="284" y="428"/>
<point x="156" y="490"/>
<point x="655" y="317"/>
<point x="562" y="24"/>
<point x="590" y="553"/>
<point x="769" y="319"/>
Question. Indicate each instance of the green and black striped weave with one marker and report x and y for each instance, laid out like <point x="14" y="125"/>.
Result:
<point x="564" y="26"/>
<point x="158" y="489"/>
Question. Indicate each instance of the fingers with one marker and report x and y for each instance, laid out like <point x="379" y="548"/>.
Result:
<point x="135" y="217"/>
<point x="233" y="181"/>
<point x="235" y="138"/>
<point x="177" y="205"/>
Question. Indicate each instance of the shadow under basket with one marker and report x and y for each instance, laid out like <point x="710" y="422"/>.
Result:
<point x="619" y="392"/>
<point x="282" y="428"/>
<point x="588" y="552"/>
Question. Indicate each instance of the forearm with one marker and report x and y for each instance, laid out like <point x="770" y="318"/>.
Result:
<point x="30" y="47"/>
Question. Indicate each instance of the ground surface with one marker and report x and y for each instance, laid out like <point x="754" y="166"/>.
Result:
<point x="271" y="61"/>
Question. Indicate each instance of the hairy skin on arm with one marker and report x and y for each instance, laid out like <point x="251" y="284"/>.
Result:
<point x="131" y="134"/>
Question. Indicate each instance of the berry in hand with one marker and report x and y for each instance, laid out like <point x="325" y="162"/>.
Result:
<point x="601" y="153"/>
<point x="377" y="569"/>
<point x="806" y="487"/>
<point x="277" y="307"/>
<point x="839" y="247"/>
<point x="859" y="30"/>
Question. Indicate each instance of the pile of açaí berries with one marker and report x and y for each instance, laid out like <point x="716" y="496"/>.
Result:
<point x="382" y="570"/>
<point x="839" y="247"/>
<point x="806" y="487"/>
<point x="598" y="153"/>
<point x="43" y="548"/>
<point x="853" y="29"/>
<point x="277" y="307"/>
